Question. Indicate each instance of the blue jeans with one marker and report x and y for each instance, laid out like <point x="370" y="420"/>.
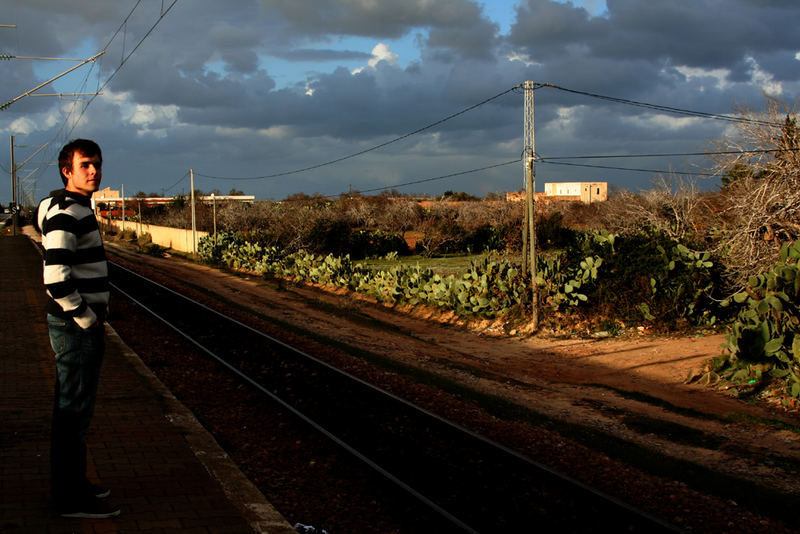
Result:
<point x="78" y="354"/>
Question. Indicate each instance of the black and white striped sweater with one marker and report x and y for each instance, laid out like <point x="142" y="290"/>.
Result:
<point x="75" y="268"/>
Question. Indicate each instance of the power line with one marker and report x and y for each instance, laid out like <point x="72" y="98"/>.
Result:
<point x="656" y="171"/>
<point x="517" y="88"/>
<point x="549" y="160"/>
<point x="362" y="152"/>
<point x="673" y="154"/>
<point x="179" y="181"/>
<point x="439" y="177"/>
<point x="668" y="109"/>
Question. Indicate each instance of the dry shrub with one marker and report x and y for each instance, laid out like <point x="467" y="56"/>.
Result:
<point x="474" y="215"/>
<point x="399" y="216"/>
<point x="673" y="207"/>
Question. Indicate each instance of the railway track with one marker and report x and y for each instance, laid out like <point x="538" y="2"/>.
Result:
<point x="465" y="482"/>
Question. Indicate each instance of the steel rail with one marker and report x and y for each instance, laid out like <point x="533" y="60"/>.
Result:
<point x="578" y="485"/>
<point x="319" y="428"/>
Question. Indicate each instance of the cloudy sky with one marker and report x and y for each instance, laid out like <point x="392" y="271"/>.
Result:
<point x="272" y="97"/>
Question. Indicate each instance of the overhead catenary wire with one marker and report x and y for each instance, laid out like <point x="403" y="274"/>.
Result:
<point x="124" y="23"/>
<point x="128" y="56"/>
<point x="86" y="78"/>
<point x="125" y="58"/>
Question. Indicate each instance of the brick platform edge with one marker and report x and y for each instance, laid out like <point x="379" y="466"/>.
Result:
<point x="255" y="509"/>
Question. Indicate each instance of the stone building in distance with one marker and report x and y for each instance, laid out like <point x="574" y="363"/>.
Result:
<point x="586" y="192"/>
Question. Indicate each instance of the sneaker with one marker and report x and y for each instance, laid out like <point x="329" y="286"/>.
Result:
<point x="92" y="508"/>
<point x="99" y="491"/>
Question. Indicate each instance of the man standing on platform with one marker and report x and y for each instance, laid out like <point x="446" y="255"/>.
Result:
<point x="76" y="280"/>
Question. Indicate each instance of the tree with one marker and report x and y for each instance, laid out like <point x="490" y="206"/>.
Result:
<point x="787" y="158"/>
<point x="296" y="197"/>
<point x="457" y="196"/>
<point x="760" y="206"/>
<point x="179" y="202"/>
<point x="739" y="171"/>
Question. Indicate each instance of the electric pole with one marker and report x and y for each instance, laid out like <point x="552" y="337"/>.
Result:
<point x="15" y="207"/>
<point x="529" y="231"/>
<point x="194" y="220"/>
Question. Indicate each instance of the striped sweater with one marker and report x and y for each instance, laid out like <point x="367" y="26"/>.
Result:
<point x="75" y="268"/>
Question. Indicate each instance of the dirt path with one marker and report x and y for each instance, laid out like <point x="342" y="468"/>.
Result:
<point x="630" y="388"/>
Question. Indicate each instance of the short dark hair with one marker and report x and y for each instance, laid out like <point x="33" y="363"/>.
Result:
<point x="87" y="147"/>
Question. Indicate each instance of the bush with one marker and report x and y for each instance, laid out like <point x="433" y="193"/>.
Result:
<point x="442" y="236"/>
<point x="764" y="341"/>
<point x="328" y="236"/>
<point x="551" y="232"/>
<point x="210" y="248"/>
<point x="375" y="243"/>
<point x="144" y="239"/>
<point x="127" y="235"/>
<point x="154" y="250"/>
<point x="647" y="276"/>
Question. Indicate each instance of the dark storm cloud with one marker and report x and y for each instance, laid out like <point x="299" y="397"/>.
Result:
<point x="458" y="25"/>
<point x="706" y="34"/>
<point x="315" y="54"/>
<point x="375" y="19"/>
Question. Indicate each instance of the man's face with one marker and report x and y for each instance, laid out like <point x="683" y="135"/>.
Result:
<point x="85" y="174"/>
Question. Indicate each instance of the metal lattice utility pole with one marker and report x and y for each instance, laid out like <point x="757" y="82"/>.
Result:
<point x="529" y="158"/>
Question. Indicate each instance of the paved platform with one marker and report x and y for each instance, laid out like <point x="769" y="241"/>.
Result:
<point x="166" y="473"/>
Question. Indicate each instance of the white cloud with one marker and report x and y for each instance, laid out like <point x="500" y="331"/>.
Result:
<point x="662" y="122"/>
<point x="273" y="132"/>
<point x="153" y="120"/>
<point x="566" y="125"/>
<point x="764" y="79"/>
<point x="759" y="77"/>
<point x="22" y="126"/>
<point x="146" y="115"/>
<point x="524" y="58"/>
<point x="720" y="76"/>
<point x="569" y="117"/>
<point x="380" y="52"/>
